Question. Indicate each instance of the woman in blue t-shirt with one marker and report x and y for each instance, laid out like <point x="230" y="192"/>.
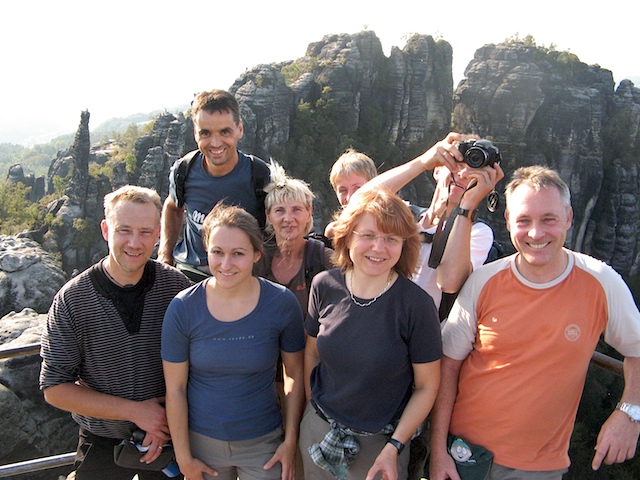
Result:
<point x="221" y="341"/>
<point x="372" y="359"/>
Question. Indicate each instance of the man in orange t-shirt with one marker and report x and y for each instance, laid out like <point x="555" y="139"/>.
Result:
<point x="519" y="340"/>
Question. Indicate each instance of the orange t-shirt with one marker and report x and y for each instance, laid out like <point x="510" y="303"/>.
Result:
<point x="520" y="385"/>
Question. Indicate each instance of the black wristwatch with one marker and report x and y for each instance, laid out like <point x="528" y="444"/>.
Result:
<point x="399" y="445"/>
<point x="470" y="214"/>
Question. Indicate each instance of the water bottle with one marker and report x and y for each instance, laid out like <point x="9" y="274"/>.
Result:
<point x="171" y="470"/>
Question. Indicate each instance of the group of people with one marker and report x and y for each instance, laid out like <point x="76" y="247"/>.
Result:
<point x="286" y="358"/>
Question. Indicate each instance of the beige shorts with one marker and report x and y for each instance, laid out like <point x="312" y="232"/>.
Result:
<point x="242" y="459"/>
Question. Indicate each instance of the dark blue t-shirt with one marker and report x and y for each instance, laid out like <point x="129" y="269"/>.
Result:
<point x="232" y="365"/>
<point x="202" y="192"/>
<point x="365" y="374"/>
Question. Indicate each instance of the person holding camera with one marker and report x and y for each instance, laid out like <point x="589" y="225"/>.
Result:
<point x="464" y="176"/>
<point x="101" y="346"/>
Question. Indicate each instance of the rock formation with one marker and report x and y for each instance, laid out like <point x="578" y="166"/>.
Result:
<point x="405" y="97"/>
<point x="29" y="276"/>
<point x="549" y="108"/>
<point x="536" y="104"/>
<point x="16" y="175"/>
<point x="30" y="427"/>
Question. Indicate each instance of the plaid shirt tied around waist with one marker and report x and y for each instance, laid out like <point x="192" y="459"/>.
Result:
<point x="338" y="449"/>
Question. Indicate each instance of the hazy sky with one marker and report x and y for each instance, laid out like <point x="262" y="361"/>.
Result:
<point x="118" y="58"/>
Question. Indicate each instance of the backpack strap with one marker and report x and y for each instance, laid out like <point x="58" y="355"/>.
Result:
<point x="314" y="261"/>
<point x="260" y="178"/>
<point x="180" y="171"/>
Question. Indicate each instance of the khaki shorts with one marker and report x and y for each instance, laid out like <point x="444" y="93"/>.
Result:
<point x="242" y="459"/>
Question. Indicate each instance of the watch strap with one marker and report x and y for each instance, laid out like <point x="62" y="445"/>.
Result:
<point x="470" y="214"/>
<point x="396" y="443"/>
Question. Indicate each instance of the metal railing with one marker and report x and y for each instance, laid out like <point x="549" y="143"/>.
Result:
<point x="599" y="359"/>
<point x="38" y="464"/>
<point x="44" y="463"/>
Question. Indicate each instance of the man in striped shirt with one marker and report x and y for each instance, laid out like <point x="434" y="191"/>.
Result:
<point x="101" y="348"/>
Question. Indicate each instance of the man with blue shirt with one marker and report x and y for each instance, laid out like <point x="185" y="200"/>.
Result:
<point x="217" y="172"/>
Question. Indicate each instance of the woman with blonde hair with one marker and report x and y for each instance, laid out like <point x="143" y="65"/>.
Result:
<point x="373" y="346"/>
<point x="292" y="259"/>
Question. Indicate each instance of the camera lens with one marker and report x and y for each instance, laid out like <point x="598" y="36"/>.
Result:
<point x="475" y="157"/>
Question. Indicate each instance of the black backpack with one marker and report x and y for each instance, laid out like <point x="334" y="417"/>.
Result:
<point x="259" y="178"/>
<point x="314" y="262"/>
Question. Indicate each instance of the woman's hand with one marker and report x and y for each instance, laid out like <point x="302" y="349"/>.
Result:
<point x="193" y="469"/>
<point x="386" y="464"/>
<point x="285" y="454"/>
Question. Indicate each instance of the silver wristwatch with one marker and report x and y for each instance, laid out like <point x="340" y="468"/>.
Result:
<point x="633" y="411"/>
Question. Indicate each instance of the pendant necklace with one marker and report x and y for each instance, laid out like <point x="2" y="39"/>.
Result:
<point x="353" y="299"/>
<point x="114" y="280"/>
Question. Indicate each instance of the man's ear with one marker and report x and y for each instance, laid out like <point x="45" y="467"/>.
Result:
<point x="104" y="228"/>
<point x="506" y="218"/>
<point x="240" y="129"/>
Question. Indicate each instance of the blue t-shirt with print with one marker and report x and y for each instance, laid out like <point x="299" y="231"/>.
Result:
<point x="232" y="365"/>
<point x="202" y="192"/>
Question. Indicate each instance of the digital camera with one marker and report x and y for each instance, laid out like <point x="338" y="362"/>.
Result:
<point x="479" y="153"/>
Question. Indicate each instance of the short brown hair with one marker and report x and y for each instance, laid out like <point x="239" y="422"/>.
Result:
<point x="392" y="216"/>
<point x="216" y="101"/>
<point x="131" y="193"/>
<point x="538" y="177"/>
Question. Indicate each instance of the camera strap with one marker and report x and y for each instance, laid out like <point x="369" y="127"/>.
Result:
<point x="440" y="238"/>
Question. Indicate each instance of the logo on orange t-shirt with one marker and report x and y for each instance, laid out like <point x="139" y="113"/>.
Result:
<point x="572" y="332"/>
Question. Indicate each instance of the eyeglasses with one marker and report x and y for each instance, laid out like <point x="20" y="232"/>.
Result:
<point x="390" y="240"/>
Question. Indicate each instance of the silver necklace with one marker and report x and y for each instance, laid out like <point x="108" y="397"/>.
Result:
<point x="353" y="299"/>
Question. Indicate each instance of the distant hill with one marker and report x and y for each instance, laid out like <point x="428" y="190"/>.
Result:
<point x="120" y="124"/>
<point x="37" y="159"/>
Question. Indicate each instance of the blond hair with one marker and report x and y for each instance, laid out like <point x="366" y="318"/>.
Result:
<point x="349" y="162"/>
<point x="131" y="193"/>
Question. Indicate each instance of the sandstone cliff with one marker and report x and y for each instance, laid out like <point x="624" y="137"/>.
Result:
<point x="537" y="105"/>
<point x="29" y="276"/>
<point x="30" y="427"/>
<point x="549" y="108"/>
